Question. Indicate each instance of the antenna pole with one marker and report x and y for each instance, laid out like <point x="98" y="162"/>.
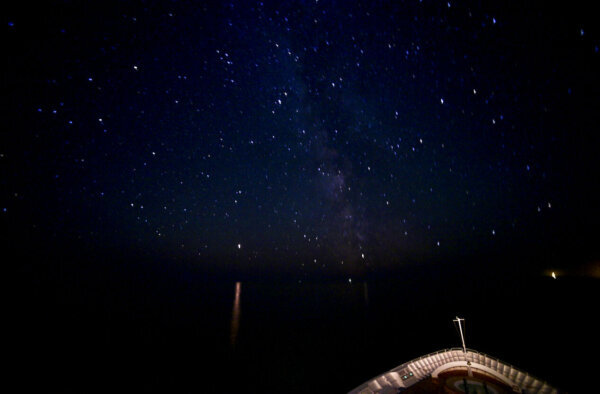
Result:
<point x="462" y="337"/>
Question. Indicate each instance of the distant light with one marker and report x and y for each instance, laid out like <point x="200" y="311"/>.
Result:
<point x="553" y="275"/>
<point x="239" y="246"/>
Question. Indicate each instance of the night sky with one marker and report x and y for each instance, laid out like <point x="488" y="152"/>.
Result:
<point x="305" y="138"/>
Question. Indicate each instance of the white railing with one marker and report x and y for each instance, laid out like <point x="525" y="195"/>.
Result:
<point x="422" y="367"/>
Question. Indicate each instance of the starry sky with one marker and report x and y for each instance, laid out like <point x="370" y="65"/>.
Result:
<point x="306" y="137"/>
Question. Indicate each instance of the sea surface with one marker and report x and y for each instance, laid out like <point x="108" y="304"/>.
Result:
<point x="163" y="330"/>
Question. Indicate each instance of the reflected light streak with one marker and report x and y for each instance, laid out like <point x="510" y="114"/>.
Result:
<point x="235" y="314"/>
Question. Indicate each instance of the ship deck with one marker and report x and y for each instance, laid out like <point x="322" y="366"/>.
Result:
<point x="455" y="370"/>
<point x="458" y="381"/>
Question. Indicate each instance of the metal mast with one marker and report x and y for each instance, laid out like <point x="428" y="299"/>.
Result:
<point x="462" y="337"/>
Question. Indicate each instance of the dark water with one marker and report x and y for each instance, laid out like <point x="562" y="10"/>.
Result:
<point x="95" y="329"/>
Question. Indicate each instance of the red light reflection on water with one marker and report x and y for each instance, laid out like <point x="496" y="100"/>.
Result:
<point x="235" y="314"/>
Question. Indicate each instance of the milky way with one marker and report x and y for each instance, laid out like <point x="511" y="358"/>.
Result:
<point x="302" y="136"/>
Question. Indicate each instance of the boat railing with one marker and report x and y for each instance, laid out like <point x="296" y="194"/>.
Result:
<point x="469" y="355"/>
<point x="459" y="349"/>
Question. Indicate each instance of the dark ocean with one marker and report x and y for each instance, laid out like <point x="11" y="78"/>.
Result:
<point x="88" y="327"/>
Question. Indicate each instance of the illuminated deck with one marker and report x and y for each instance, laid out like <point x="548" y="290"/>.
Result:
<point x="454" y="371"/>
